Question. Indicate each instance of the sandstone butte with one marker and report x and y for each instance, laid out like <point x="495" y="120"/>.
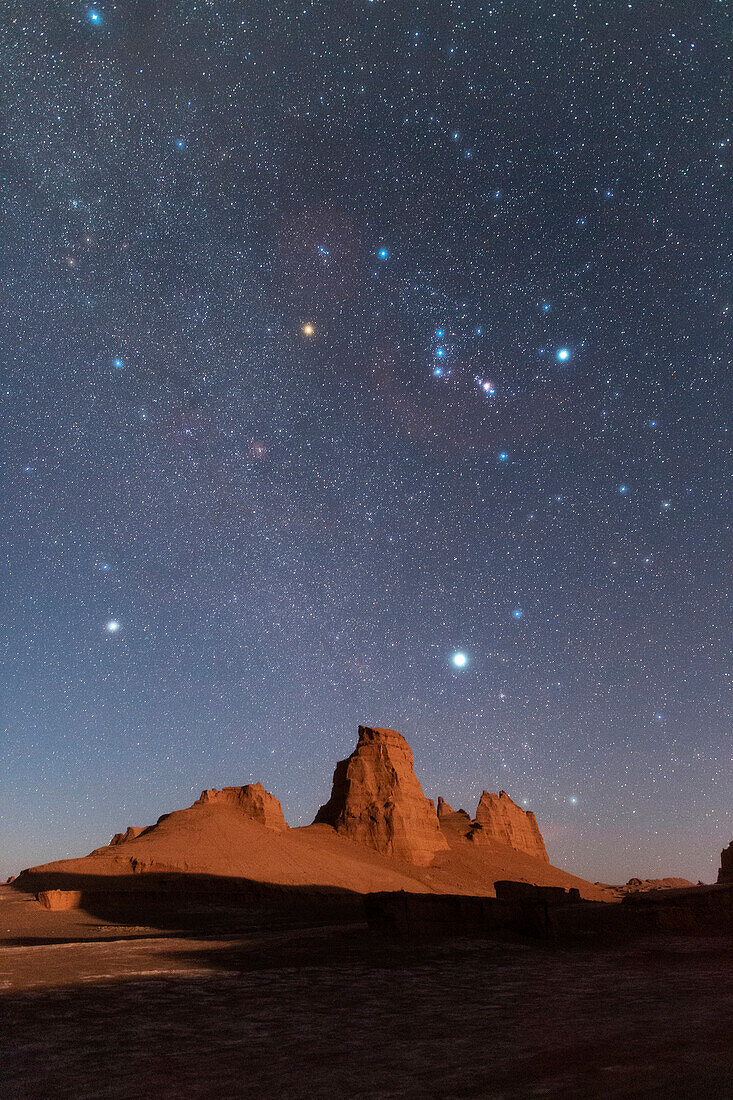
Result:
<point x="377" y="831"/>
<point x="502" y="821"/>
<point x="377" y="800"/>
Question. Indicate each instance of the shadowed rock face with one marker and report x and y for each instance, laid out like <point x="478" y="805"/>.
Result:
<point x="444" y="810"/>
<point x="377" y="800"/>
<point x="725" y="874"/>
<point x="502" y="821"/>
<point x="253" y="800"/>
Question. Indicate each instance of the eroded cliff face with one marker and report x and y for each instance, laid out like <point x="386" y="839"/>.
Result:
<point x="500" y="820"/>
<point x="253" y="800"/>
<point x="377" y="800"/>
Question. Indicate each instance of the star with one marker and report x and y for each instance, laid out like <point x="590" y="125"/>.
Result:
<point x="439" y="353"/>
<point x="112" y="626"/>
<point x="308" y="329"/>
<point x="459" y="659"/>
<point x="503" y="456"/>
<point x="118" y="364"/>
<point x="383" y="253"/>
<point x="94" y="16"/>
<point x="517" y="613"/>
<point x="623" y="488"/>
<point x="563" y="354"/>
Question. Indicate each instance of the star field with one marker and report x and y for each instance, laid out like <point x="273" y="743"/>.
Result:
<point x="366" y="363"/>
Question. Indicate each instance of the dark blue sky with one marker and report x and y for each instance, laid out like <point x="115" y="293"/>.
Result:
<point x="343" y="338"/>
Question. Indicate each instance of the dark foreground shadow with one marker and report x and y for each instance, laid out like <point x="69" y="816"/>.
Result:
<point x="193" y="903"/>
<point x="199" y="904"/>
<point x="319" y="1013"/>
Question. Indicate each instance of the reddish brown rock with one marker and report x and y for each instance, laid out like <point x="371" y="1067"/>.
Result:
<point x="501" y="821"/>
<point x="377" y="800"/>
<point x="129" y="834"/>
<point x="444" y="810"/>
<point x="59" y="899"/>
<point x="253" y="800"/>
<point x="725" y="874"/>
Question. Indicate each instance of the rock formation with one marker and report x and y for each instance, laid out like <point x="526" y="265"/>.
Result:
<point x="253" y="800"/>
<point x="129" y="834"/>
<point x="725" y="874"/>
<point x="444" y="810"/>
<point x="377" y="800"/>
<point x="235" y="844"/>
<point x="499" y="820"/>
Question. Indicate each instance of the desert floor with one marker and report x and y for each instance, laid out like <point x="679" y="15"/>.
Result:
<point x="336" y="1012"/>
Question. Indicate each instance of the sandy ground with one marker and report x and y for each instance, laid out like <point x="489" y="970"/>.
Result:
<point x="337" y="1012"/>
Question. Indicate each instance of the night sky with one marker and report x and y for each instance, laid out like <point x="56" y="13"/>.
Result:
<point x="366" y="363"/>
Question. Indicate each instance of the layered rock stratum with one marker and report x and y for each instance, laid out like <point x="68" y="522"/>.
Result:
<point x="377" y="800"/>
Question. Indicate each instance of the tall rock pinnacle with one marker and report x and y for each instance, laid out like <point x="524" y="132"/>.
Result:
<point x="377" y="800"/>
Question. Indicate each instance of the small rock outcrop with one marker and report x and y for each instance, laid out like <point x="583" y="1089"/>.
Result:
<point x="253" y="800"/>
<point x="130" y="833"/>
<point x="377" y="800"/>
<point x="501" y="821"/>
<point x="444" y="810"/>
<point x="725" y="874"/>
